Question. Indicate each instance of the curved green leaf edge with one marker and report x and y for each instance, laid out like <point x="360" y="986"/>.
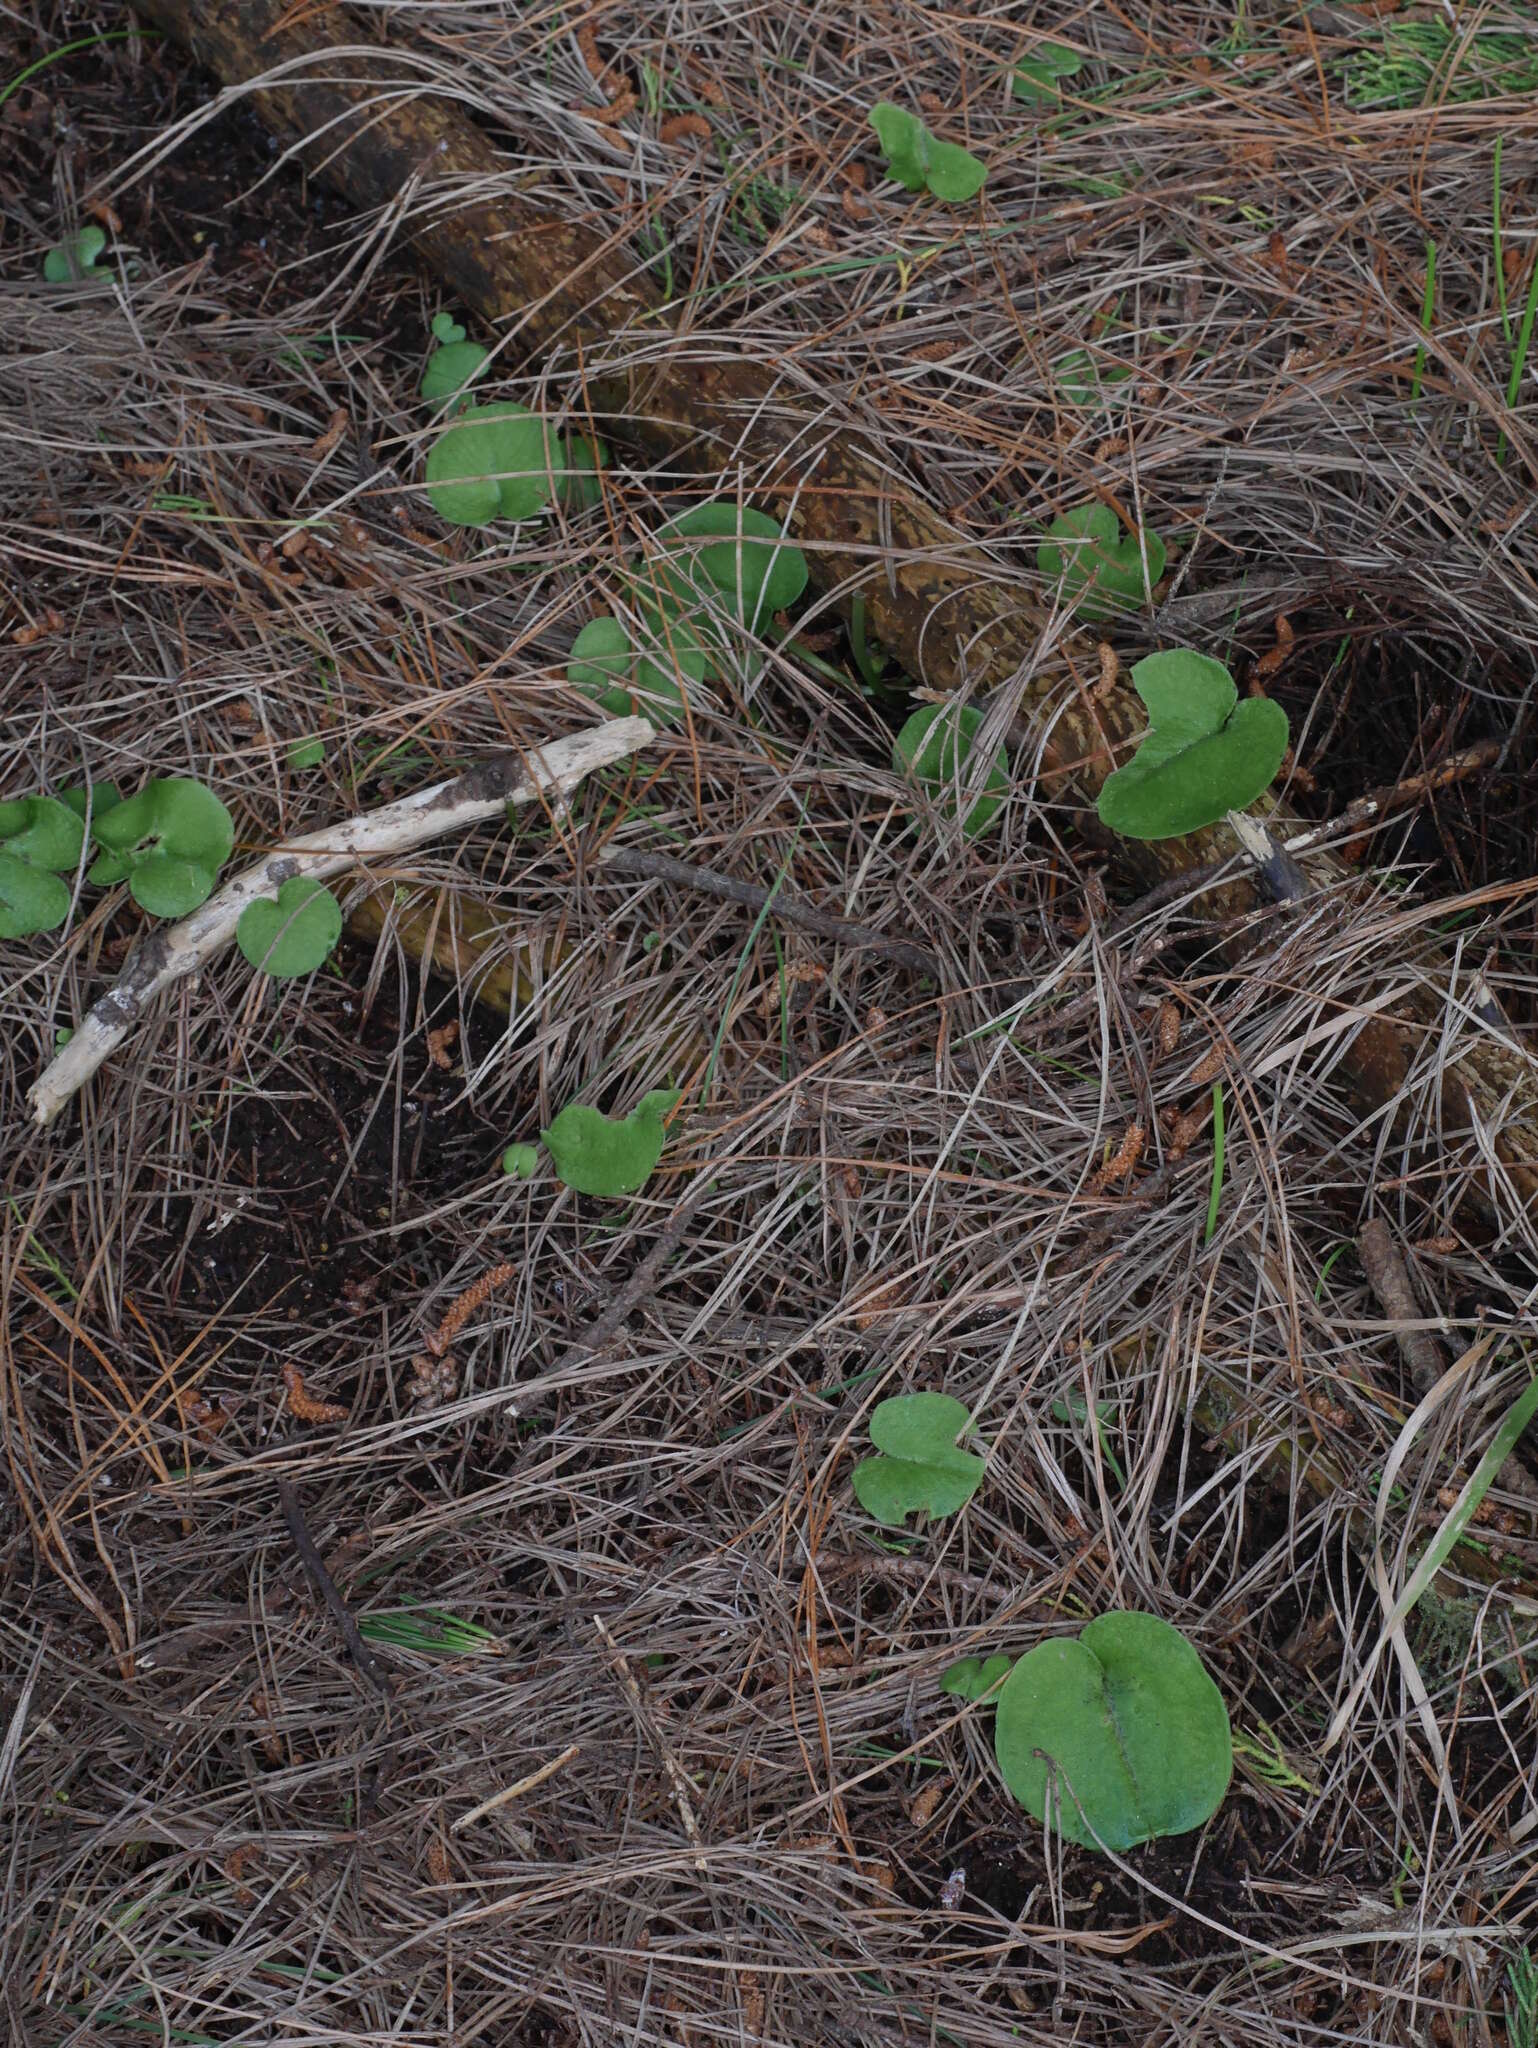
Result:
<point x="492" y="461"/>
<point x="916" y="159"/>
<point x="168" y="842"/>
<point x="31" y="899"/>
<point x="43" y="831"/>
<point x="74" y="260"/>
<point x="1036" y="78"/>
<point x="1126" y="1725"/>
<point x="1205" y="752"/>
<point x="975" y="1678"/>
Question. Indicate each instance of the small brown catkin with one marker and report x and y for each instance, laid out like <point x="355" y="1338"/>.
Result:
<point x="460" y="1311"/>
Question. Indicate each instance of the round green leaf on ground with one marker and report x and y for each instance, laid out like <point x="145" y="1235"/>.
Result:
<point x="975" y="1678"/>
<point x="491" y="460"/>
<point x="927" y="750"/>
<point x="291" y="936"/>
<point x="602" y="1155"/>
<point x="31" y="899"/>
<point x="1099" y="568"/>
<point x="519" y="1161"/>
<point x="1205" y="753"/>
<point x="751" y="560"/>
<point x="1125" y="1724"/>
<point x="44" y="831"/>
<point x="954" y="174"/>
<point x="600" y="664"/>
<point x="1036" y="77"/>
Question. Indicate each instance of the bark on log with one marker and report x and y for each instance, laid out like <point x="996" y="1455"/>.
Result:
<point x="932" y="596"/>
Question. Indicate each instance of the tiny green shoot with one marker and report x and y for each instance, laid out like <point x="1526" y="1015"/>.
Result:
<point x="307" y="753"/>
<point x="520" y="1161"/>
<point x="975" y="1678"/>
<point x="1215" y="1196"/>
<point x="1037" y="78"/>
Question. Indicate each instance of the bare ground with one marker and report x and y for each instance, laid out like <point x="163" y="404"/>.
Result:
<point x="654" y="1751"/>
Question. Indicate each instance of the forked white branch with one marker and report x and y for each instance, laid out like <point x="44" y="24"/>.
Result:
<point x="169" y="954"/>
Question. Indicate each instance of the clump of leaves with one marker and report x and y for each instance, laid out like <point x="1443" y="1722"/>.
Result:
<point x="920" y="1468"/>
<point x="1038" y="78"/>
<point x="1205" y="753"/>
<point x="975" y="1678"/>
<point x="168" y="843"/>
<point x="601" y="1155"/>
<point x="76" y="258"/>
<point x="719" y="570"/>
<point x="40" y="839"/>
<point x="919" y="161"/>
<point x="931" y="748"/>
<point x="1124" y="1724"/>
<point x="1099" y="569"/>
<point x="290" y="935"/>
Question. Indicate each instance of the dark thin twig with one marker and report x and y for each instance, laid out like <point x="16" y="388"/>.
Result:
<point x="359" y="1651"/>
<point x="661" y="867"/>
<point x="641" y="1282"/>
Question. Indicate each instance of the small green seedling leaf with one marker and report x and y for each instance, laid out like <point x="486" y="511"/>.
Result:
<point x="520" y="1161"/>
<point x="307" y="753"/>
<point x="74" y="260"/>
<point x="975" y="1678"/>
<point x="1037" y="76"/>
<point x="601" y="1155"/>
<point x="920" y="1467"/>
<point x="1098" y="568"/>
<point x="450" y="369"/>
<point x="578" y="486"/>
<point x="601" y="661"/>
<point x="493" y="459"/>
<point x="291" y="936"/>
<point x="168" y="843"/>
<point x="927" y="749"/>
<point x="1127" y="1724"/>
<point x="917" y="160"/>
<point x="44" y="831"/>
<point x="446" y="329"/>
<point x="1084" y="379"/>
<point x="100" y="796"/>
<point x="750" y="563"/>
<point x="1073" y="1409"/>
<point x="31" y="899"/>
<point x="1205" y="753"/>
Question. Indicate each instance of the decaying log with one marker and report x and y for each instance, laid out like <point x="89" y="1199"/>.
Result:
<point x="370" y="123"/>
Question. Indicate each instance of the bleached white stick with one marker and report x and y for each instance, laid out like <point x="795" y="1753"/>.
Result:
<point x="172" y="952"/>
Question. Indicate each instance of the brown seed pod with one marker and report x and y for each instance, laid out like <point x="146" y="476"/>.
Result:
<point x="304" y="1407"/>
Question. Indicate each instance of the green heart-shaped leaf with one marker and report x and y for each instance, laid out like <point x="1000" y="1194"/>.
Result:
<point x="520" y="1161"/>
<point x="493" y="459"/>
<point x="1127" y="1722"/>
<point x="31" y="899"/>
<point x="1036" y="77"/>
<point x="916" y="159"/>
<point x="76" y="259"/>
<point x="920" y="1467"/>
<point x="100" y="796"/>
<point x="1084" y="379"/>
<point x="974" y="1678"/>
<point x="291" y="936"/>
<point x="450" y="369"/>
<point x="44" y="831"/>
<point x="446" y="328"/>
<point x="601" y="1155"/>
<point x="1098" y="567"/>
<point x="169" y="843"/>
<point x="927" y="749"/>
<point x="1205" y="753"/>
